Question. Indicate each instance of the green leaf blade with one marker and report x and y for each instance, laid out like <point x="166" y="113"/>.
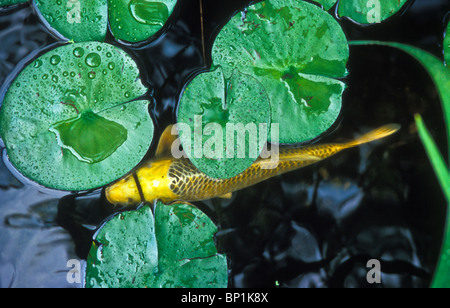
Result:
<point x="438" y="162"/>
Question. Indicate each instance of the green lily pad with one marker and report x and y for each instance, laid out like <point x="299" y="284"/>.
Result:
<point x="11" y="2"/>
<point x="86" y="20"/>
<point x="173" y="249"/>
<point x="369" y="11"/>
<point x="447" y="46"/>
<point x="77" y="20"/>
<point x="69" y="121"/>
<point x="137" y="20"/>
<point x="365" y="11"/>
<point x="327" y="4"/>
<point x="297" y="52"/>
<point x="219" y="122"/>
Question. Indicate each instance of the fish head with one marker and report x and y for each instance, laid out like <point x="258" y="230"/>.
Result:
<point x="149" y="183"/>
<point x="124" y="192"/>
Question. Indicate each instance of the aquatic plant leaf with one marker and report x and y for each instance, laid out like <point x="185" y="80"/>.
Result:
<point x="297" y="52"/>
<point x="327" y="4"/>
<point x="365" y="11"/>
<point x="69" y="119"/>
<point x="438" y="162"/>
<point x="211" y="110"/>
<point x="77" y="20"/>
<point x="369" y="11"/>
<point x="137" y="20"/>
<point x="172" y="249"/>
<point x="11" y="2"/>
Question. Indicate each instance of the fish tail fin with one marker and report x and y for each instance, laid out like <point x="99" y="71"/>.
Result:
<point x="379" y="133"/>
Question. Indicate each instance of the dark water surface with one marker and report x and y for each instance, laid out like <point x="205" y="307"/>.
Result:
<point x="316" y="227"/>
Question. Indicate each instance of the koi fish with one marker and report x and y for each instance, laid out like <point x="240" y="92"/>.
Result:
<point x="171" y="180"/>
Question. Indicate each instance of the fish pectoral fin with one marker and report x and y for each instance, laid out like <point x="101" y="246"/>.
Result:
<point x="168" y="137"/>
<point x="226" y="196"/>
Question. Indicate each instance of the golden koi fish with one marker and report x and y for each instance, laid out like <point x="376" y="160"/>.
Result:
<point x="171" y="180"/>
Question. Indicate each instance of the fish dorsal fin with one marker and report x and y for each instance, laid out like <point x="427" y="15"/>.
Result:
<point x="166" y="141"/>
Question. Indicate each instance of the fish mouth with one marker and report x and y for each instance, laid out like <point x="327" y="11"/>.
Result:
<point x="122" y="193"/>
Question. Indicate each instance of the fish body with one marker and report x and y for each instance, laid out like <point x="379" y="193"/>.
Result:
<point x="171" y="180"/>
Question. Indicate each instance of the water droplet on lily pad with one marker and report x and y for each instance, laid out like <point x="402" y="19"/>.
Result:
<point x="78" y="52"/>
<point x="93" y="60"/>
<point x="55" y="59"/>
<point x="149" y="12"/>
<point x="37" y="63"/>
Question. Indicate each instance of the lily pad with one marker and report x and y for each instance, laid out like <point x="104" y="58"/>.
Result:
<point x="223" y="123"/>
<point x="11" y="2"/>
<point x="327" y="4"/>
<point x="77" y="20"/>
<point x="172" y="249"/>
<point x="369" y="11"/>
<point x="86" y="20"/>
<point x="69" y="120"/>
<point x="365" y="11"/>
<point x="297" y="52"/>
<point x="137" y="20"/>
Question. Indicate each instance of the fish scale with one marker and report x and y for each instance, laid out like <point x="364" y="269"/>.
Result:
<point x="177" y="180"/>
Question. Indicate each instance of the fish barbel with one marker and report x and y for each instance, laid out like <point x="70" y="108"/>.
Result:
<point x="170" y="180"/>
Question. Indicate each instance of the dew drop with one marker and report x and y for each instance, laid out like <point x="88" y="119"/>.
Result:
<point x="111" y="65"/>
<point x="45" y="76"/>
<point x="93" y="59"/>
<point x="65" y="73"/>
<point x="91" y="75"/>
<point x="149" y="12"/>
<point x="55" y="78"/>
<point x="127" y="94"/>
<point x="55" y="59"/>
<point x="78" y="52"/>
<point x="108" y="54"/>
<point x="37" y="63"/>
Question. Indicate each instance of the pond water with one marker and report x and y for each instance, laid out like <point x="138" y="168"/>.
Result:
<point x="316" y="227"/>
